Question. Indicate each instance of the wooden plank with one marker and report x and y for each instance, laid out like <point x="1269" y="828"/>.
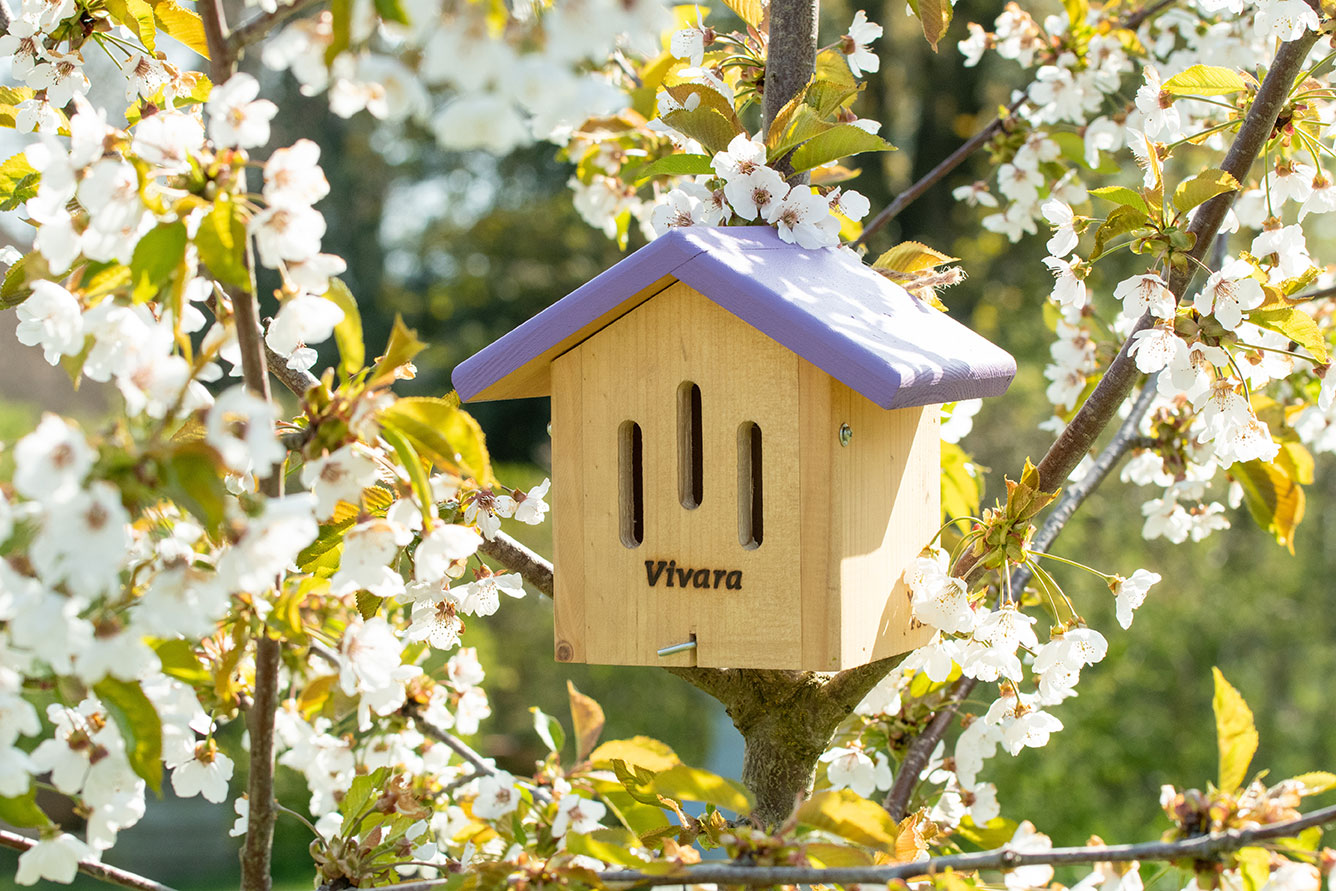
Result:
<point x="568" y="509"/>
<point x="818" y="436"/>
<point x="632" y="371"/>
<point x="886" y="507"/>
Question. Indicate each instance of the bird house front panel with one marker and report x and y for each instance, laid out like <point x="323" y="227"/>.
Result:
<point x="675" y="445"/>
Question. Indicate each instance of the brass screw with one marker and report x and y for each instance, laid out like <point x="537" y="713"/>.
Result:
<point x="846" y="434"/>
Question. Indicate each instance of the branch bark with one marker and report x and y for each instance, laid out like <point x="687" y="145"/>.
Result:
<point x="110" y="874"/>
<point x="790" y="60"/>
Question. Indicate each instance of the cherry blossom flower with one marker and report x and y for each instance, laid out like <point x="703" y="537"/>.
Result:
<point x="482" y="597"/>
<point x="851" y="768"/>
<point x="340" y="476"/>
<point x="1130" y="593"/>
<point x="530" y="508"/>
<point x="689" y="44"/>
<point x="50" y="318"/>
<point x="1285" y="20"/>
<point x="437" y="623"/>
<point x="236" y="116"/>
<point x="206" y="773"/>
<point x="1161" y="119"/>
<point x="1322" y="199"/>
<point x="486" y="509"/>
<point x="301" y="321"/>
<point x="292" y="176"/>
<point x="364" y="565"/>
<point x="804" y="217"/>
<point x="973" y="46"/>
<point x="854" y="44"/>
<point x="1063" y="221"/>
<point x="51" y="462"/>
<point x="1229" y="293"/>
<point x="1290" y="181"/>
<point x="54" y="857"/>
<point x="270" y="544"/>
<point x="751" y="194"/>
<point x="240" y="426"/>
<point x="168" y="140"/>
<point x="1289" y="246"/>
<point x="1069" y="288"/>
<point x="975" y="194"/>
<point x="576" y="814"/>
<point x="371" y="667"/>
<point x="1145" y="293"/>
<point x="287" y="233"/>
<point x="1027" y="840"/>
<point x="496" y="797"/>
<point x="444" y="545"/>
<point x="1156" y="347"/>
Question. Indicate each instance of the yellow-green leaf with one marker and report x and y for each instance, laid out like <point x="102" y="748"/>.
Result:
<point x="1205" y="80"/>
<point x="179" y="661"/>
<point x="642" y="751"/>
<point x="22" y="810"/>
<point x="612" y="845"/>
<point x="1121" y="221"/>
<point x="1236" y="736"/>
<point x="1254" y="866"/>
<point x="684" y="783"/>
<point x="586" y="719"/>
<point x="139" y="724"/>
<point x="155" y="258"/>
<point x="348" y="333"/>
<point x="10" y="97"/>
<point x="1295" y="324"/>
<point x="399" y="352"/>
<point x="670" y="165"/>
<point x="1296" y="462"/>
<point x="962" y="486"/>
<point x="1276" y="502"/>
<point x="750" y="11"/>
<point x="412" y="464"/>
<point x="18" y="182"/>
<point x="1202" y="188"/>
<point x="705" y="125"/>
<point x="221" y="240"/>
<point x="840" y="141"/>
<point x="1121" y="195"/>
<point x="1316" y="782"/>
<point x="137" y="15"/>
<point x="912" y="256"/>
<point x="181" y="25"/>
<point x="845" y="814"/>
<point x="443" y="433"/>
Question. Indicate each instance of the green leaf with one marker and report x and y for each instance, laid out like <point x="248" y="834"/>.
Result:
<point x="443" y="433"/>
<point x="1205" y="80"/>
<point x="368" y="604"/>
<point x="1122" y="195"/>
<point x="587" y="721"/>
<point x="362" y="791"/>
<point x="22" y="811"/>
<point x="392" y="11"/>
<point x="1077" y="13"/>
<point x="194" y="480"/>
<point x="845" y="814"/>
<point x="609" y="845"/>
<point x="994" y="834"/>
<point x="348" y="333"/>
<point x="1123" y="220"/>
<point x="1202" y="188"/>
<point x="15" y="288"/>
<point x="157" y="255"/>
<point x="1276" y="502"/>
<point x="417" y="474"/>
<point x="9" y="98"/>
<point x="840" y="141"/>
<point x="1296" y="462"/>
<point x="935" y="17"/>
<point x="1236" y="736"/>
<point x="962" y="486"/>
<point x="399" y="353"/>
<point x="705" y="125"/>
<point x="683" y="783"/>
<point x="641" y="751"/>
<point x="179" y="661"/>
<point x="181" y="25"/>
<point x="1295" y="324"/>
<point x="18" y="182"/>
<point x="137" y="15"/>
<point x="221" y="240"/>
<point x="341" y="23"/>
<point x="549" y="729"/>
<point x="912" y="256"/>
<point x="139" y="725"/>
<point x="671" y="165"/>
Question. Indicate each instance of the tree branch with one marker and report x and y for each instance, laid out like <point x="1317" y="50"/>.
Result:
<point x="789" y="62"/>
<point x="518" y="558"/>
<point x="978" y="140"/>
<point x="101" y="871"/>
<point x="255" y="30"/>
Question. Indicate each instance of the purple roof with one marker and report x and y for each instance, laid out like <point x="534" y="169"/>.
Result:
<point x="825" y="305"/>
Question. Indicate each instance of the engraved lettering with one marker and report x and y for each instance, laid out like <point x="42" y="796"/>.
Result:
<point x="683" y="576"/>
<point x="719" y="576"/>
<point x="652" y="571"/>
<point x="701" y="579"/>
<point x="671" y="566"/>
<point x="734" y="580"/>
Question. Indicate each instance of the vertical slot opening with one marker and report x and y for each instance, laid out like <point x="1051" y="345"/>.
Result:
<point x="690" y="446"/>
<point x="631" y="483"/>
<point x="751" y="501"/>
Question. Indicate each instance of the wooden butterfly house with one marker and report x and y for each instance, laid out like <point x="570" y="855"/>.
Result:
<point x="745" y="451"/>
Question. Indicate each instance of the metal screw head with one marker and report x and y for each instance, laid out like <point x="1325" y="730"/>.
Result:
<point x="846" y="434"/>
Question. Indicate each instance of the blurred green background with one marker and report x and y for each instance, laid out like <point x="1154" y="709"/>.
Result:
<point x="470" y="246"/>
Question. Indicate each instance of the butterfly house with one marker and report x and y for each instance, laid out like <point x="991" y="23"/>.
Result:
<point x="745" y="451"/>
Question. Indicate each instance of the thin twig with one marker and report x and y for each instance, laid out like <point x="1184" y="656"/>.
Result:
<point x="255" y="30"/>
<point x="465" y="751"/>
<point x="1198" y="848"/>
<point x="101" y="871"/>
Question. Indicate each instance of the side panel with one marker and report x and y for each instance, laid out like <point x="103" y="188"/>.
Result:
<point x="690" y="575"/>
<point x="568" y="508"/>
<point x="886" y="507"/>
